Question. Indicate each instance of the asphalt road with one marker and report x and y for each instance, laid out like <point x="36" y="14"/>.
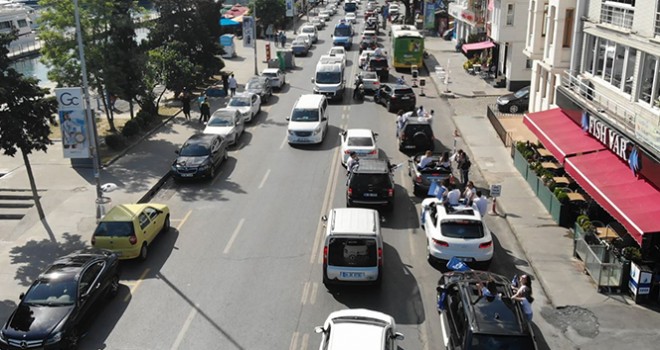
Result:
<point x="241" y="268"/>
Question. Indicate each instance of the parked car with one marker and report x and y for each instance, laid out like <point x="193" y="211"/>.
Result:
<point x="277" y="77"/>
<point x="396" y="97"/>
<point x="319" y="23"/>
<point x="515" y="102"/>
<point x="424" y="177"/>
<point x="456" y="232"/>
<point x="226" y="123"/>
<point x="359" y="329"/>
<point x="247" y="104"/>
<point x="371" y="183"/>
<point x="56" y="310"/>
<point x="129" y="229"/>
<point x="199" y="156"/>
<point x="300" y="45"/>
<point x="471" y="320"/>
<point x="325" y="15"/>
<point x="261" y="86"/>
<point x="350" y="17"/>
<point x="311" y="31"/>
<point x="360" y="141"/>
<point x="416" y="136"/>
<point x="370" y="81"/>
<point x="338" y="51"/>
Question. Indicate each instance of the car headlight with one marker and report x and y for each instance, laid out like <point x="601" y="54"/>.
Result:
<point x="54" y="338"/>
<point x="3" y="338"/>
<point x="318" y="129"/>
<point x="502" y="101"/>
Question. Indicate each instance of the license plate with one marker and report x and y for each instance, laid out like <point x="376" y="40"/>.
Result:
<point x="434" y="178"/>
<point x="352" y="274"/>
<point x="186" y="175"/>
<point x="410" y="146"/>
<point x="302" y="140"/>
<point x="371" y="195"/>
<point x="464" y="259"/>
<point x="405" y="98"/>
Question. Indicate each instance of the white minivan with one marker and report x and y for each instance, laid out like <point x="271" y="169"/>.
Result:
<point x="353" y="247"/>
<point x="308" y="122"/>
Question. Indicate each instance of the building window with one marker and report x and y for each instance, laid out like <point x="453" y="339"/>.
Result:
<point x="509" y="14"/>
<point x="618" y="13"/>
<point x="22" y="23"/>
<point x="589" y="49"/>
<point x="5" y="25"/>
<point x="649" y="80"/>
<point x="551" y="24"/>
<point x="629" y="70"/>
<point x="568" y="28"/>
<point x="528" y="64"/>
<point x="531" y="22"/>
<point x="545" y="20"/>
<point x="657" y="18"/>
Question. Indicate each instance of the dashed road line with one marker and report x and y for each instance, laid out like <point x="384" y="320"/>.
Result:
<point x="183" y="221"/>
<point x="233" y="236"/>
<point x="184" y="328"/>
<point x="286" y="138"/>
<point x="136" y="284"/>
<point x="263" y="181"/>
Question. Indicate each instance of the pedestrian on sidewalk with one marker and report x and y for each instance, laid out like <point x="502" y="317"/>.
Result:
<point x="282" y="39"/>
<point x="204" y="110"/>
<point x="481" y="203"/>
<point x="225" y="83"/>
<point x="185" y="103"/>
<point x="232" y="85"/>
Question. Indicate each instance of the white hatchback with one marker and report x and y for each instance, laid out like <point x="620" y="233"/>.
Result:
<point x="360" y="141"/>
<point x="276" y="75"/>
<point x="359" y="329"/>
<point x="456" y="232"/>
<point x="248" y="104"/>
<point x="351" y="17"/>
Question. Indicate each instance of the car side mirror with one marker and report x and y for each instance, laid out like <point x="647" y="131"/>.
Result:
<point x="324" y="119"/>
<point x="21" y="296"/>
<point x="375" y="134"/>
<point x="287" y="118"/>
<point x="319" y="330"/>
<point x="176" y="151"/>
<point x="398" y="336"/>
<point x="324" y="218"/>
<point x="331" y="35"/>
<point x="313" y="80"/>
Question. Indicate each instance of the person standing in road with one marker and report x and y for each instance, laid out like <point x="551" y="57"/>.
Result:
<point x="399" y="122"/>
<point x="204" y="110"/>
<point x="282" y="39"/>
<point x="523" y="294"/>
<point x="232" y="85"/>
<point x="463" y="164"/>
<point x="352" y="162"/>
<point x="481" y="203"/>
<point x="185" y="103"/>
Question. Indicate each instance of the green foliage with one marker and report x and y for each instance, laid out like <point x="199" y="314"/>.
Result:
<point x="632" y="254"/>
<point x="270" y="12"/>
<point x="561" y="195"/>
<point x="131" y="128"/>
<point x="525" y="149"/>
<point x="168" y="66"/>
<point x="585" y="223"/>
<point x="145" y="119"/>
<point x="115" y="141"/>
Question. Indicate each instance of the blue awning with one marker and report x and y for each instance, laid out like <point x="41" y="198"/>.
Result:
<point x="226" y="22"/>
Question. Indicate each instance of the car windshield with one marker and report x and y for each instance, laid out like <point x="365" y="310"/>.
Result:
<point x="221" y="121"/>
<point x="359" y="141"/>
<point x="466" y="229"/>
<point x="52" y="292"/>
<point x="239" y="102"/>
<point x="343" y="31"/>
<point x="300" y="42"/>
<point x="254" y="85"/>
<point x="328" y="77"/>
<point x="369" y="75"/>
<point x="114" y="229"/>
<point x="488" y="342"/>
<point x="378" y="63"/>
<point x="400" y="92"/>
<point x="193" y="150"/>
<point x="521" y="93"/>
<point x="305" y="115"/>
<point x="309" y="30"/>
<point x="336" y="52"/>
<point x="352" y="252"/>
<point x="270" y="74"/>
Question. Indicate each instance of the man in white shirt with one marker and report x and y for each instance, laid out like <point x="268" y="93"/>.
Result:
<point x="481" y="203"/>
<point x="421" y="112"/>
<point x="425" y="160"/>
<point x="454" y="196"/>
<point x="352" y="162"/>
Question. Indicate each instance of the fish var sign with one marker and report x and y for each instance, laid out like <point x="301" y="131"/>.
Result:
<point x="608" y="137"/>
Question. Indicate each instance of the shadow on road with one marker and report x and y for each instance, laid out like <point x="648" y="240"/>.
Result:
<point x="36" y="256"/>
<point x="96" y="332"/>
<point x="159" y="251"/>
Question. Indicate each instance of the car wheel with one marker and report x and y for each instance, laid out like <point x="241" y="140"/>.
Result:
<point x="225" y="156"/>
<point x="259" y="110"/>
<point x="416" y="191"/>
<point x="212" y="173"/>
<point x="389" y="207"/>
<point x="73" y="339"/>
<point x="166" y="225"/>
<point x="326" y="281"/>
<point x="514" y="108"/>
<point x="144" y="252"/>
<point x="114" y="287"/>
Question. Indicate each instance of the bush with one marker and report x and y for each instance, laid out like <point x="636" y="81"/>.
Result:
<point x="146" y="116"/>
<point x="131" y="128"/>
<point x="115" y="141"/>
<point x="632" y="254"/>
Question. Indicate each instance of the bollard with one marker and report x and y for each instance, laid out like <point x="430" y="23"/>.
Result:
<point x="267" y="52"/>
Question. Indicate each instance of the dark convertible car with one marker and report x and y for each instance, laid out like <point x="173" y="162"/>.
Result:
<point x="55" y="310"/>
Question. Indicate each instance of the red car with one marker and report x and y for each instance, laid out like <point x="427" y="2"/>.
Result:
<point x="368" y="14"/>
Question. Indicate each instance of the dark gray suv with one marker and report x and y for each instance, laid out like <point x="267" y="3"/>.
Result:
<point x="370" y="184"/>
<point x="474" y="321"/>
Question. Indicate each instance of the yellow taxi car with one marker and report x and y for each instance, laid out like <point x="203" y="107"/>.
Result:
<point x="128" y="229"/>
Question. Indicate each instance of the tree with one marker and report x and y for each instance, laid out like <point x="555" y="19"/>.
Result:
<point x="270" y="12"/>
<point x="411" y="6"/>
<point x="167" y="66"/>
<point x="25" y="115"/>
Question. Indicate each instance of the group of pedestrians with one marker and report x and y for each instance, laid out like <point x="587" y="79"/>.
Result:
<point x="280" y="39"/>
<point x="229" y="84"/>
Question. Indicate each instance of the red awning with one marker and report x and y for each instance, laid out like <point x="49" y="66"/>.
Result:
<point x="559" y="134"/>
<point x="609" y="180"/>
<point x="478" y="46"/>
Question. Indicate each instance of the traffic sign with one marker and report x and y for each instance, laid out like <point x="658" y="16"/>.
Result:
<point x="495" y="190"/>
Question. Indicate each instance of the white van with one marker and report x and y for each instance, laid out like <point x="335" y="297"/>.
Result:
<point x="329" y="80"/>
<point x="308" y="122"/>
<point x="353" y="247"/>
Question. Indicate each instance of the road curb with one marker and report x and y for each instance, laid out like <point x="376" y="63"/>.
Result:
<point x="155" y="188"/>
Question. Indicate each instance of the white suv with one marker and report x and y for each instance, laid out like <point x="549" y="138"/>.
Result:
<point x="359" y="329"/>
<point x="457" y="231"/>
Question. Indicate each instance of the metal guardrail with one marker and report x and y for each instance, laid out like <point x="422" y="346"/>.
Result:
<point x="504" y="135"/>
<point x="617" y="14"/>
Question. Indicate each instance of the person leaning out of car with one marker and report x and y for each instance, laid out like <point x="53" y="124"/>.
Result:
<point x="523" y="294"/>
<point x="469" y="193"/>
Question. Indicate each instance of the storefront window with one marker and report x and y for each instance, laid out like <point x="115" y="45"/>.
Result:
<point x="629" y="70"/>
<point x="649" y="80"/>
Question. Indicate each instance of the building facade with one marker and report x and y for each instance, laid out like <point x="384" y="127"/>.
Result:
<point x="505" y="21"/>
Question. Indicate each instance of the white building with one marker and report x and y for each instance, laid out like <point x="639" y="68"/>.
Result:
<point x="506" y="21"/>
<point x="16" y="16"/>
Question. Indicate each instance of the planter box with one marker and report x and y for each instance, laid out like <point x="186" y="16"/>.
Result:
<point x="520" y="163"/>
<point x="545" y="196"/>
<point x="533" y="181"/>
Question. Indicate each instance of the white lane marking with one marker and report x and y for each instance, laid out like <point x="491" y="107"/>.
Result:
<point x="233" y="236"/>
<point x="305" y="342"/>
<point x="294" y="341"/>
<point x="303" y="299"/>
<point x="263" y="181"/>
<point x="284" y="141"/>
<point x="405" y="271"/>
<point x="315" y="291"/>
<point x="184" y="329"/>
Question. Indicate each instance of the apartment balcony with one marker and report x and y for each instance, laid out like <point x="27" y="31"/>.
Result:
<point x="657" y="24"/>
<point x="617" y="15"/>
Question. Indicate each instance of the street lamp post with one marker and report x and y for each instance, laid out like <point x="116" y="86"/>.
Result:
<point x="88" y="115"/>
<point x="254" y="44"/>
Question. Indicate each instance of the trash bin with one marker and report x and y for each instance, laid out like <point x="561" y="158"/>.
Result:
<point x="281" y="60"/>
<point x="274" y="63"/>
<point x="286" y="59"/>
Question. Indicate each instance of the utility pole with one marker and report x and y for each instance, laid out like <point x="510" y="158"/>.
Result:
<point x="254" y="44"/>
<point x="96" y="160"/>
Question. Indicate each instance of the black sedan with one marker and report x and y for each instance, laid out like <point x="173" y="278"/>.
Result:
<point x="199" y="156"/>
<point x="396" y="97"/>
<point x="54" y="312"/>
<point x="261" y="86"/>
<point x="516" y="102"/>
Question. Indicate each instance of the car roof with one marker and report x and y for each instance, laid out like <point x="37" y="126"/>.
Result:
<point x="244" y="94"/>
<point x="309" y="101"/>
<point x="123" y="212"/>
<point x="460" y="212"/>
<point x="259" y="78"/>
<point x="308" y="26"/>
<point x="271" y="70"/>
<point x="359" y="132"/>
<point x="372" y="166"/>
<point x="201" y="139"/>
<point x="355" y="221"/>
<point x="225" y="112"/>
<point x="72" y="264"/>
<point x="328" y="67"/>
<point x="397" y="86"/>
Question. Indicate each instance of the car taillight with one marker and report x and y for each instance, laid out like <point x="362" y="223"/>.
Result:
<point x="93" y="240"/>
<point x="132" y="239"/>
<point x="373" y="152"/>
<point x="376" y="83"/>
<point x="390" y="192"/>
<point x="418" y="179"/>
<point x="485" y="245"/>
<point x="394" y="97"/>
<point x="349" y="192"/>
<point x="440" y="243"/>
<point x="380" y="256"/>
<point x="348" y="151"/>
<point x="325" y="255"/>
